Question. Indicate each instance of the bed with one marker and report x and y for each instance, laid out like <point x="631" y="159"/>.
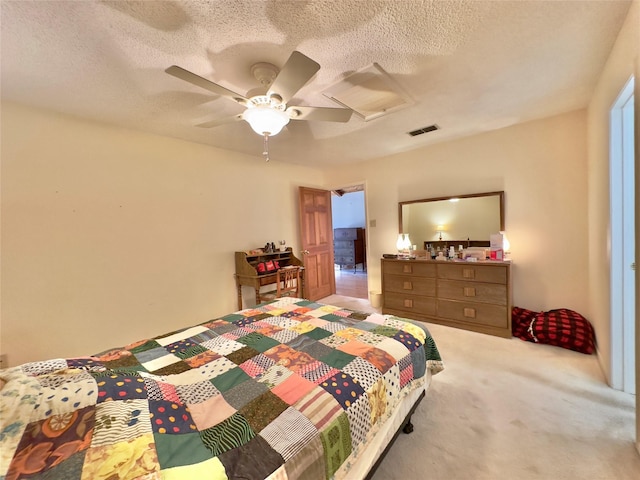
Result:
<point x="289" y="389"/>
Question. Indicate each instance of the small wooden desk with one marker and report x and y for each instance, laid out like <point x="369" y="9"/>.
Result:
<point x="247" y="273"/>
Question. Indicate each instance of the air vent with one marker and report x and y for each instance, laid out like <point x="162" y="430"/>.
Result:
<point x="420" y="131"/>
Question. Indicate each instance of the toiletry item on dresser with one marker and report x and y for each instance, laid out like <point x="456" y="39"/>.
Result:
<point x="452" y="252"/>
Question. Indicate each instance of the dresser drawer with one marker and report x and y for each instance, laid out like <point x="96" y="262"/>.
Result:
<point x="472" y="291"/>
<point x="344" y="260"/>
<point x="410" y="303"/>
<point x="477" y="313"/>
<point x="410" y="267"/>
<point x="345" y="233"/>
<point x="474" y="273"/>
<point x="411" y="285"/>
<point x="344" y="252"/>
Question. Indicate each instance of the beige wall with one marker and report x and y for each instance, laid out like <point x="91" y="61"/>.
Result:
<point x="111" y="235"/>
<point x="540" y="165"/>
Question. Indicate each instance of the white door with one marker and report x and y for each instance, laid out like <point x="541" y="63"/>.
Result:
<point x="622" y="192"/>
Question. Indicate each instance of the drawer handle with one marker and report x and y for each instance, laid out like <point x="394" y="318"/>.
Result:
<point x="470" y="312"/>
<point x="469" y="291"/>
<point x="407" y="286"/>
<point x="408" y="303"/>
<point x="468" y="273"/>
<point x="407" y="269"/>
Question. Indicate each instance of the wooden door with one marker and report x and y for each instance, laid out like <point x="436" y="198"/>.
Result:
<point x="317" y="243"/>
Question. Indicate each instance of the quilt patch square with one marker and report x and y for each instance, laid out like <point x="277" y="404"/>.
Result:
<point x="337" y="359"/>
<point x="179" y="450"/>
<point x="315" y="348"/>
<point x="222" y="345"/>
<point x="170" y="418"/>
<point x="289" y="433"/>
<point x="363" y="371"/>
<point x="379" y="358"/>
<point x="120" y="420"/>
<point x="317" y="372"/>
<point x="259" y="342"/>
<point x="394" y="348"/>
<point x="125" y="360"/>
<point x="200" y="359"/>
<point x="336" y="440"/>
<point x="150" y="354"/>
<point x="293" y="388"/>
<point x="257" y="447"/>
<point x="285" y="335"/>
<point x="185" y="348"/>
<point x="196" y="393"/>
<point x="120" y="387"/>
<point x="243" y="393"/>
<point x="252" y="369"/>
<point x="172" y="369"/>
<point x="228" y="435"/>
<point x="344" y="388"/>
<point x="211" y="412"/>
<point x="58" y="436"/>
<point x="240" y="356"/>
<point x="359" y="414"/>
<point x="274" y="375"/>
<point x="318" y="333"/>
<point x="135" y="458"/>
<point x="320" y="407"/>
<point x="262" y="410"/>
<point x="230" y="379"/>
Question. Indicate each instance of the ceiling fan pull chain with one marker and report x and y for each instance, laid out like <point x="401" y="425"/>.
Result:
<point x="265" y="149"/>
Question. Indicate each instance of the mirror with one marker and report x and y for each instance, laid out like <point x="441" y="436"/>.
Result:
<point x="467" y="220"/>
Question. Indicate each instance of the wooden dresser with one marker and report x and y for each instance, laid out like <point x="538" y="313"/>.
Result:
<point x="349" y="247"/>
<point x="472" y="296"/>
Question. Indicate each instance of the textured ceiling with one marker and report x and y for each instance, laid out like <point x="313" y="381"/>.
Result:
<point x="469" y="66"/>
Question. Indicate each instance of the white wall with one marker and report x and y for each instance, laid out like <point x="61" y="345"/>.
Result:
<point x="540" y="165"/>
<point x="110" y="235"/>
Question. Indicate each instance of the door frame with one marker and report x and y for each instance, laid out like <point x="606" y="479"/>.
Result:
<point x="623" y="334"/>
<point x="363" y="184"/>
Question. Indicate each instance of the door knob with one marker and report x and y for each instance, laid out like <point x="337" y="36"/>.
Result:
<point x="305" y="252"/>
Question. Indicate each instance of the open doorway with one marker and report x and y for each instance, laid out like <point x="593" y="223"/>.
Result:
<point x="349" y="237"/>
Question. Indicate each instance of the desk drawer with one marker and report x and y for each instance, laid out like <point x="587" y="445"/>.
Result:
<point x="410" y="267"/>
<point x="473" y="292"/>
<point x="407" y="284"/>
<point x="477" y="313"/>
<point x="410" y="303"/>
<point x="473" y="273"/>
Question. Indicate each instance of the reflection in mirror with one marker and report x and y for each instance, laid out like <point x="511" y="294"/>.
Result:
<point x="457" y="219"/>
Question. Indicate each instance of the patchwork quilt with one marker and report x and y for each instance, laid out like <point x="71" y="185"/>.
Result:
<point x="287" y="390"/>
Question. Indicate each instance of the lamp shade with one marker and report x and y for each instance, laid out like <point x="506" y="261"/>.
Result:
<point x="265" y="120"/>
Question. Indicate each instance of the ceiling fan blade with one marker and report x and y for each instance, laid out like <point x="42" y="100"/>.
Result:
<point x="319" y="114"/>
<point x="220" y="121"/>
<point x="294" y="74"/>
<point x="199" y="81"/>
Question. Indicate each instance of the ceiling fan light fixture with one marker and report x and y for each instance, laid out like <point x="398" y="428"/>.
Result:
<point x="265" y="120"/>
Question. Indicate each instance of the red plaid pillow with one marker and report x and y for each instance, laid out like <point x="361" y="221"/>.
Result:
<point x="521" y="319"/>
<point x="564" y="328"/>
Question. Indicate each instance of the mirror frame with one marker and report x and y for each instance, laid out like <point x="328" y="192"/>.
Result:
<point x="469" y="195"/>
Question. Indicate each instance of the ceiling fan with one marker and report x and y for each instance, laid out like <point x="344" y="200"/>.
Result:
<point x="266" y="106"/>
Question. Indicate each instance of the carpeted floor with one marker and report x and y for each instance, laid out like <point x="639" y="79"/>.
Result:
<point x="508" y="409"/>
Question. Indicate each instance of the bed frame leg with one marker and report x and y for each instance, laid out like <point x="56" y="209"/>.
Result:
<point x="408" y="427"/>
